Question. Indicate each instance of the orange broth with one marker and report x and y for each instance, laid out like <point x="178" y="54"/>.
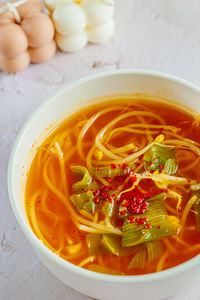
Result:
<point x="57" y="227"/>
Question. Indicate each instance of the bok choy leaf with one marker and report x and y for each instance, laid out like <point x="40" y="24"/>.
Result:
<point x="161" y="157"/>
<point x="161" y="225"/>
<point x="84" y="175"/>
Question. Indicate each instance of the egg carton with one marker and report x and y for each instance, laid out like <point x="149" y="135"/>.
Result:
<point x="78" y="22"/>
<point x="26" y="35"/>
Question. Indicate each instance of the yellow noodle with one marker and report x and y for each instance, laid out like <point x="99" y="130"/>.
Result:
<point x="180" y="241"/>
<point x="86" y="214"/>
<point x="161" y="261"/>
<point x="126" y="148"/>
<point x="89" y="124"/>
<point x="62" y="168"/>
<point x="130" y="189"/>
<point x="35" y="223"/>
<point x="87" y="260"/>
<point x="127" y="129"/>
<point x="186" y="211"/>
<point x="153" y="126"/>
<point x="149" y="136"/>
<point x="178" y="136"/>
<point x="102" y="132"/>
<point x="129" y="158"/>
<point x="192" y="249"/>
<point x="77" y="127"/>
<point x="96" y="216"/>
<point x="191" y="166"/>
<point x="169" y="246"/>
<point x="181" y="144"/>
<point x="171" y="209"/>
<point x="175" y="195"/>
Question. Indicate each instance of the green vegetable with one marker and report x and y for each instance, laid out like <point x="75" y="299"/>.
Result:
<point x="110" y="172"/>
<point x="83" y="201"/>
<point x="154" y="250"/>
<point x="161" y="225"/>
<point x="197" y="209"/>
<point x="138" y="260"/>
<point x="171" y="166"/>
<point x="114" y="244"/>
<point x="157" y="158"/>
<point x="104" y="270"/>
<point x="85" y="176"/>
<point x="95" y="245"/>
<point x="127" y="214"/>
<point x="108" y="207"/>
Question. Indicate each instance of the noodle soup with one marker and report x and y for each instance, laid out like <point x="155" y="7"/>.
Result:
<point x="115" y="188"/>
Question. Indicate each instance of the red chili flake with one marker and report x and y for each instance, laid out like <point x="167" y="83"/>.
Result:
<point x="140" y="221"/>
<point x="113" y="195"/>
<point x="53" y="238"/>
<point x="145" y="220"/>
<point x="113" y="166"/>
<point x="131" y="220"/>
<point x="121" y="179"/>
<point x="97" y="169"/>
<point x="96" y="192"/>
<point x="39" y="201"/>
<point x="96" y="200"/>
<point x="188" y="180"/>
<point x="124" y="166"/>
<point x="148" y="226"/>
<point x="120" y="223"/>
<point x="83" y="189"/>
<point x="160" y="131"/>
<point x="166" y="259"/>
<point x="131" y="152"/>
<point x="122" y="213"/>
<point x="150" y="163"/>
<point x="162" y="167"/>
<point x="159" y="226"/>
<point x="110" y="199"/>
<point x="87" y="200"/>
<point x="186" y="188"/>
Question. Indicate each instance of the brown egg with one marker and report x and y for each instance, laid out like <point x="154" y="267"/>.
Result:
<point x="15" y="64"/>
<point x="38" y="28"/>
<point x="38" y="55"/>
<point x="6" y="17"/>
<point x="13" y="40"/>
<point x="29" y="7"/>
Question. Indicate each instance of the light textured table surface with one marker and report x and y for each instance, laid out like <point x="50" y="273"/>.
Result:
<point x="160" y="35"/>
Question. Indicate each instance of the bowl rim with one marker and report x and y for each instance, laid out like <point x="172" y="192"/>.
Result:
<point x="26" y="227"/>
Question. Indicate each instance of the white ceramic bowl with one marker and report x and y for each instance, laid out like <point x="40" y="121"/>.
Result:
<point x="152" y="286"/>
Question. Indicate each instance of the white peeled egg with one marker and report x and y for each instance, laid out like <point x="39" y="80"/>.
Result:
<point x="72" y="43"/>
<point x="52" y="4"/>
<point x="69" y="19"/>
<point x="97" y="12"/>
<point x="100" y="34"/>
